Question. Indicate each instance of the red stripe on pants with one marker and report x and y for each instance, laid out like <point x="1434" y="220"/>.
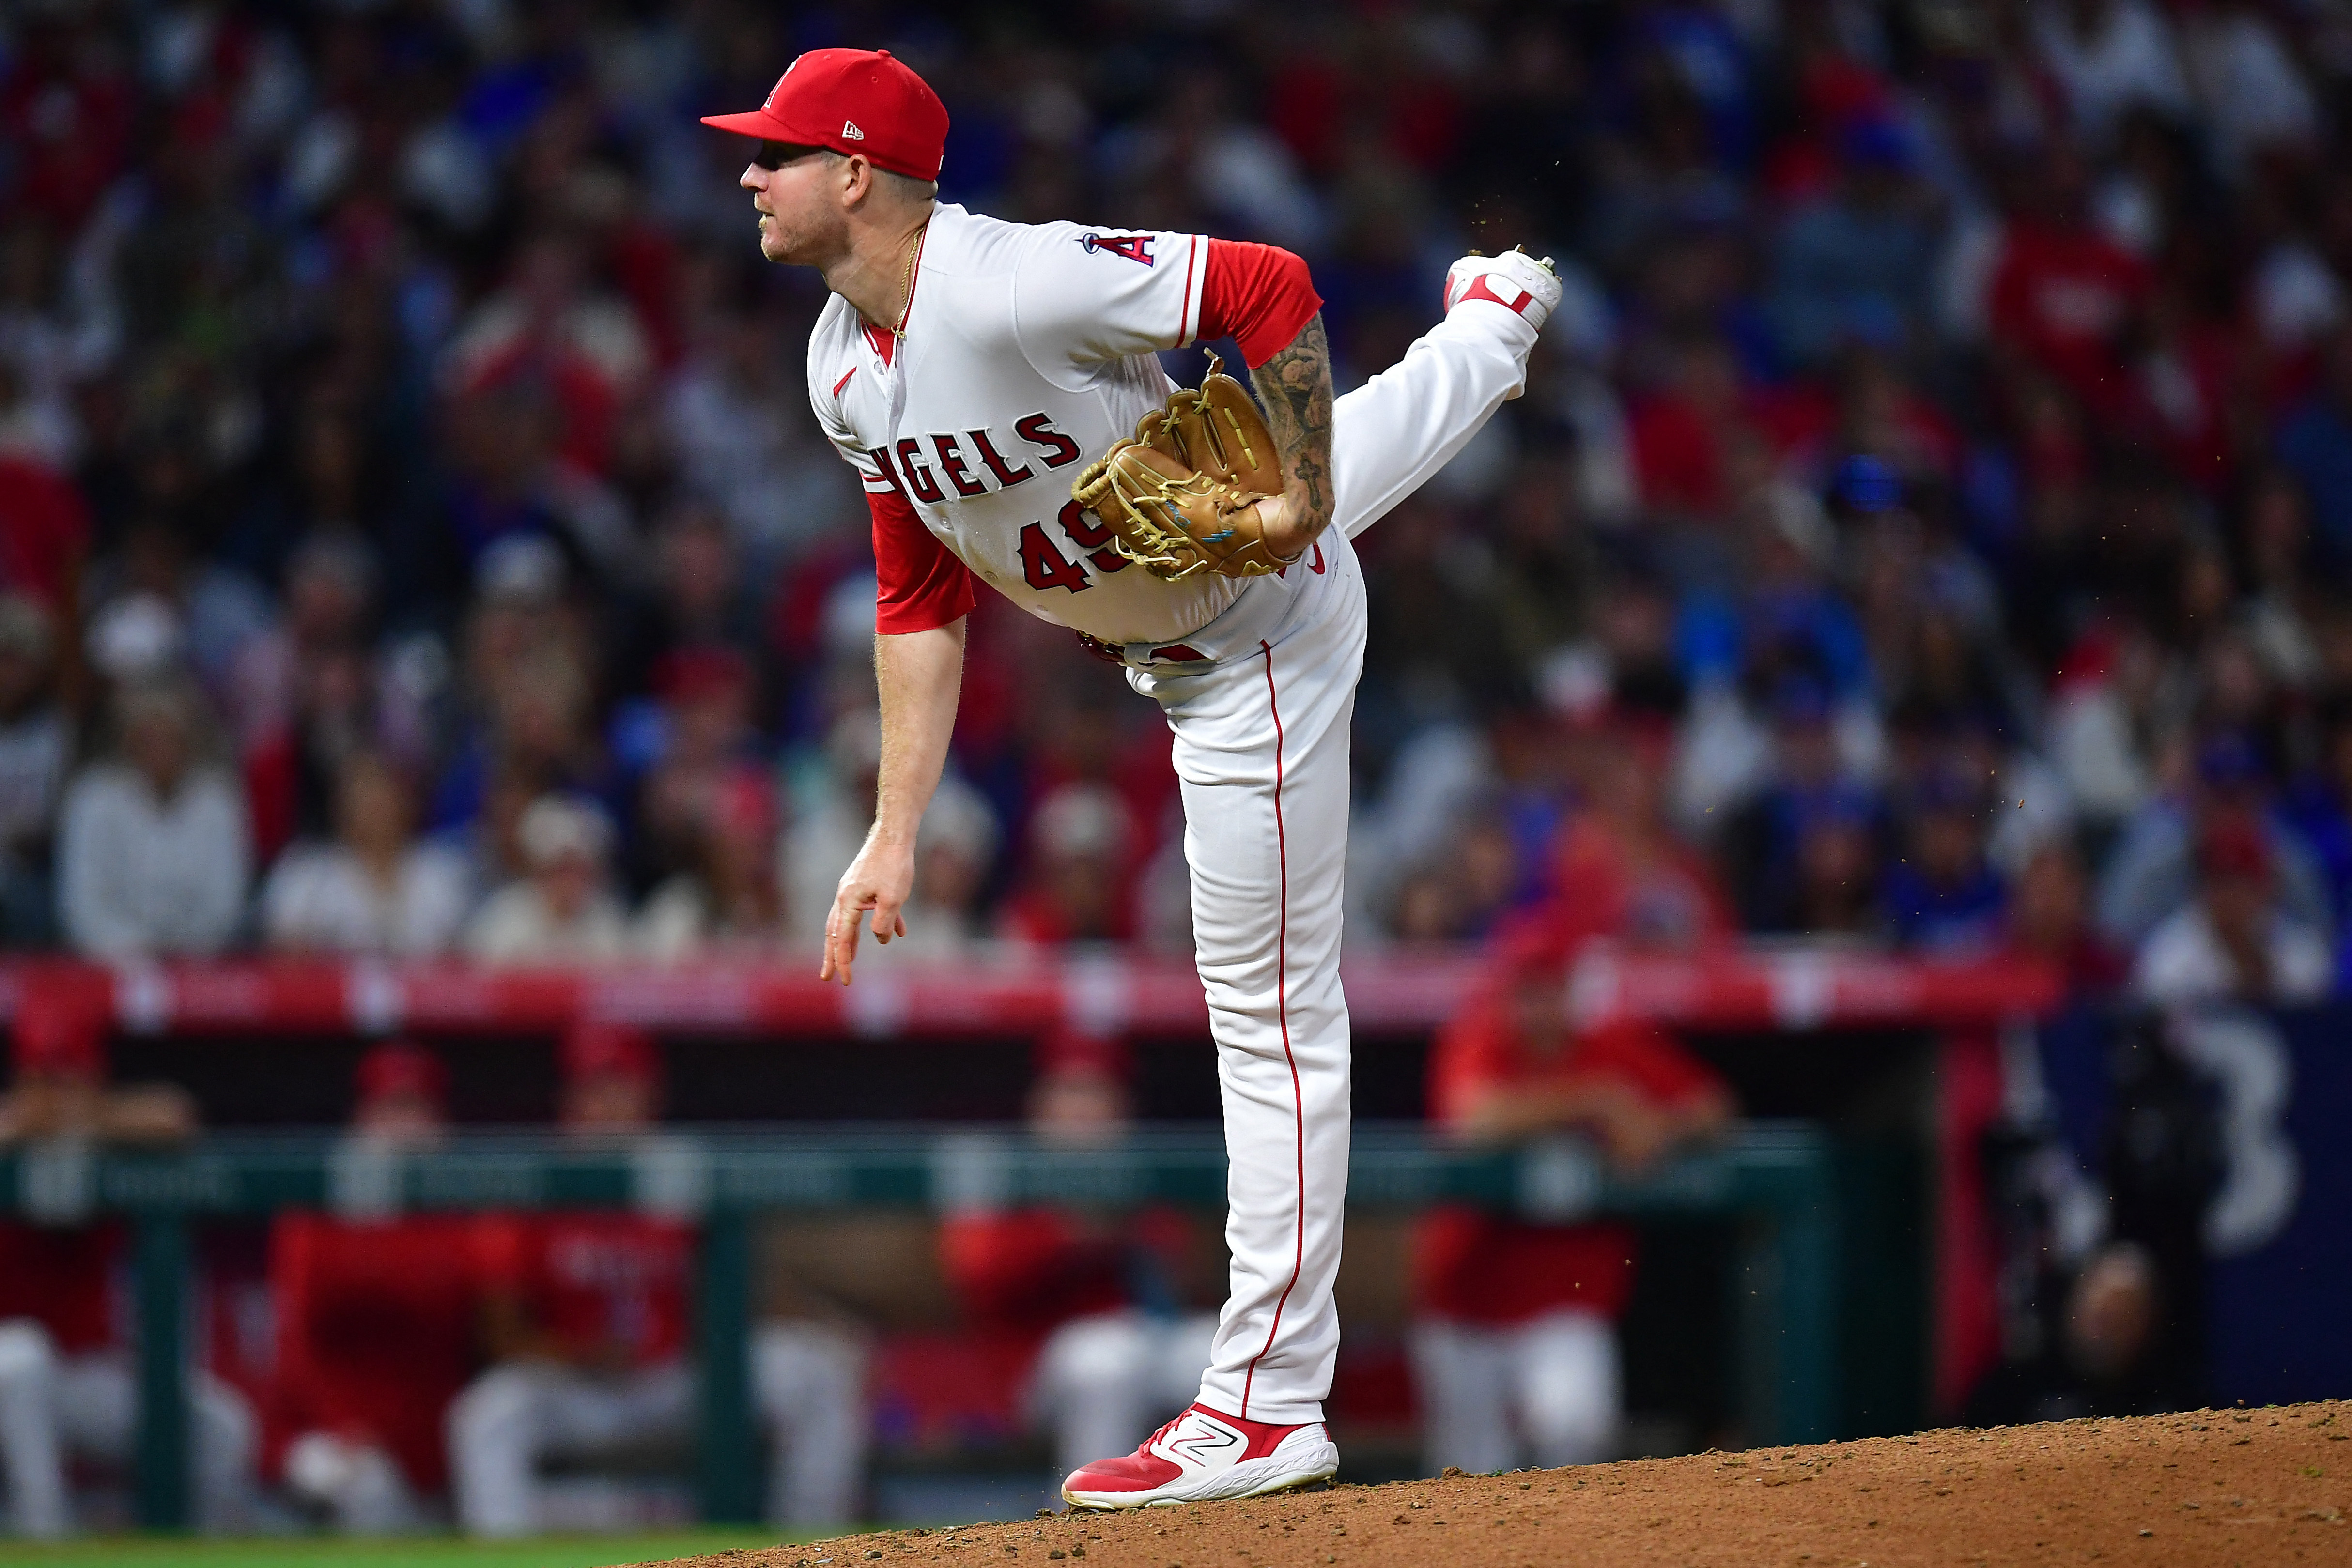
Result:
<point x="1282" y="1012"/>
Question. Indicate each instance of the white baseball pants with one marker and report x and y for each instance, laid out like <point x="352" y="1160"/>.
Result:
<point x="1494" y="1397"/>
<point x="1262" y="755"/>
<point x="807" y="1384"/>
<point x="53" y="1406"/>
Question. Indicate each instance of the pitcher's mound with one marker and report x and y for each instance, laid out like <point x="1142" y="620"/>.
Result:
<point x="2206" y="1489"/>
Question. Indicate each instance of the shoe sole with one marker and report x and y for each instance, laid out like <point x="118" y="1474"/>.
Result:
<point x="1533" y="288"/>
<point x="1252" y="1477"/>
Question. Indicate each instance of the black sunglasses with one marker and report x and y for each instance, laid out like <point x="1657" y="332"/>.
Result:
<point x="774" y="156"/>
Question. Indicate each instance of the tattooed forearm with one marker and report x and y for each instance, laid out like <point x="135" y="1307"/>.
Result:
<point x="1296" y="388"/>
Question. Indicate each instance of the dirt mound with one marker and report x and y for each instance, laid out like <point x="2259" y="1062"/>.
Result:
<point x="2205" y="1490"/>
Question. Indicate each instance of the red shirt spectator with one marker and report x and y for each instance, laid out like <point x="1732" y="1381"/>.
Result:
<point x="2062" y="296"/>
<point x="44" y="533"/>
<point x="1704" y="442"/>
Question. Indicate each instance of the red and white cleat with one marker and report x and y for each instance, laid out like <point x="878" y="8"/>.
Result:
<point x="1514" y="280"/>
<point x="1204" y="1456"/>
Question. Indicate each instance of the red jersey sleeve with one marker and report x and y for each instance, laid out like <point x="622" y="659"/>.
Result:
<point x="1258" y="295"/>
<point x="919" y="583"/>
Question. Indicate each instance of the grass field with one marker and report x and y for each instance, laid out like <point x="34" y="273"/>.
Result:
<point x="558" y="1552"/>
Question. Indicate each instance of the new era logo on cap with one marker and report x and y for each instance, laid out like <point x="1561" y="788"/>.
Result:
<point x="849" y="131"/>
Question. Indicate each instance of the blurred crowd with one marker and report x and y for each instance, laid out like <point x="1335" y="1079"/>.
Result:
<point x="1927" y="528"/>
<point x="1926" y="525"/>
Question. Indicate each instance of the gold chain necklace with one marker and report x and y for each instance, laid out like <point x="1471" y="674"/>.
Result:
<point x="907" y="279"/>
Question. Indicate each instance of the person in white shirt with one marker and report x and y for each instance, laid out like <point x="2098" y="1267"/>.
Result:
<point x="2112" y="56"/>
<point x="374" y="889"/>
<point x="2249" y="89"/>
<point x="2233" y="941"/>
<point x="153" y="851"/>
<point x="561" y="911"/>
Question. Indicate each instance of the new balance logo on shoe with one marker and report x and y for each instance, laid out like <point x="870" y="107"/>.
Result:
<point x="1198" y="1440"/>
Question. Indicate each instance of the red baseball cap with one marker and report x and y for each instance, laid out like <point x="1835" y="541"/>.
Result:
<point x="592" y="1048"/>
<point x="60" y="1033"/>
<point x="398" y="1067"/>
<point x="851" y="100"/>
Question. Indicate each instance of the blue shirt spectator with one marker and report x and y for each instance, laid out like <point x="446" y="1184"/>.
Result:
<point x="1856" y="267"/>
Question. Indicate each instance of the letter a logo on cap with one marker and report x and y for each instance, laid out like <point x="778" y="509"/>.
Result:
<point x="850" y="133"/>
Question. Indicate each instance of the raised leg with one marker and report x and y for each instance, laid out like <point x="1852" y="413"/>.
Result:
<point x="1390" y="434"/>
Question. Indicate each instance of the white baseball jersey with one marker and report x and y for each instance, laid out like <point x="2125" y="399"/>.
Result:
<point x="1029" y="349"/>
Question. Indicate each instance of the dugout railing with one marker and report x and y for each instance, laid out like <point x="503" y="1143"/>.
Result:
<point x="1774" y="1180"/>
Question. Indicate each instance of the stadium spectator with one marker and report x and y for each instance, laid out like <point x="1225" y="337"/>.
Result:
<point x="584" y="1324"/>
<point x="1802" y="849"/>
<point x="2049" y="918"/>
<point x="376" y="1314"/>
<point x="1855" y="265"/>
<point x="2320" y="809"/>
<point x="1081" y="886"/>
<point x="151" y="845"/>
<point x="706" y="596"/>
<point x="562" y="909"/>
<point x="2064" y="296"/>
<point x="1106" y="1299"/>
<point x="2236" y="938"/>
<point x="68" y="1388"/>
<point x="1514" y="1346"/>
<point x="696" y="743"/>
<point x="2314" y="444"/>
<point x="36" y="749"/>
<point x="2111" y="57"/>
<point x="1940" y="393"/>
<point x="447" y="470"/>
<point x="728" y="899"/>
<point x="375" y="889"/>
<point x="2152" y="868"/>
<point x="1621" y="870"/>
<point x="313" y="694"/>
<point x="1943" y="897"/>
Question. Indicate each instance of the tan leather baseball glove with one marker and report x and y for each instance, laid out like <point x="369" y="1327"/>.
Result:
<point x="1182" y="495"/>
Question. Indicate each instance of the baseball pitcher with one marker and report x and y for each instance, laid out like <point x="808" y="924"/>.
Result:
<point x="995" y="387"/>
